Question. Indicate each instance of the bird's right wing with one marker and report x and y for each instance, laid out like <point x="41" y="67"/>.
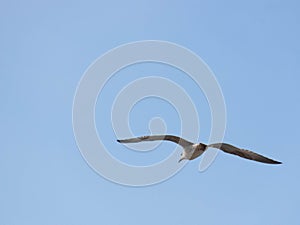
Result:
<point x="243" y="153"/>
<point x="178" y="140"/>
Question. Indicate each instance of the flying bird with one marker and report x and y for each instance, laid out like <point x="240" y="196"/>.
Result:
<point x="194" y="150"/>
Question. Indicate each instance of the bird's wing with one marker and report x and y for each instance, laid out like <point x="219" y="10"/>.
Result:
<point x="178" y="140"/>
<point x="243" y="153"/>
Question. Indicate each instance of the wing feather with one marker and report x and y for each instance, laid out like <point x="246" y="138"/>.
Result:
<point x="243" y="153"/>
<point x="172" y="138"/>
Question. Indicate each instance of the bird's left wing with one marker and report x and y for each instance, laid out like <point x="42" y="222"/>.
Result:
<point x="243" y="153"/>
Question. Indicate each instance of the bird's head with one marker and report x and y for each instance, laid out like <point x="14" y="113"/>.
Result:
<point x="182" y="157"/>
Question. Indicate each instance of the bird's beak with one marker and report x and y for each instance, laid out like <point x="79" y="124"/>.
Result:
<point x="180" y="160"/>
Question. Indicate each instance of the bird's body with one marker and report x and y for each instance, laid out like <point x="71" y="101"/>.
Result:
<point x="194" y="150"/>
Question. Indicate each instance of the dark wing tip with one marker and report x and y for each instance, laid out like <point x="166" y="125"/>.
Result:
<point x="276" y="162"/>
<point x="124" y="141"/>
<point x="269" y="161"/>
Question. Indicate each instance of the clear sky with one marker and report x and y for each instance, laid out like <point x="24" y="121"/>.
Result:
<point x="253" y="49"/>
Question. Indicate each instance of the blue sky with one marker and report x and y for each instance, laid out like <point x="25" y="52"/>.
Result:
<point x="253" y="49"/>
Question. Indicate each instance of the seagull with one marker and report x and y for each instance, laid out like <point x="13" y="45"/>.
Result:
<point x="194" y="150"/>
